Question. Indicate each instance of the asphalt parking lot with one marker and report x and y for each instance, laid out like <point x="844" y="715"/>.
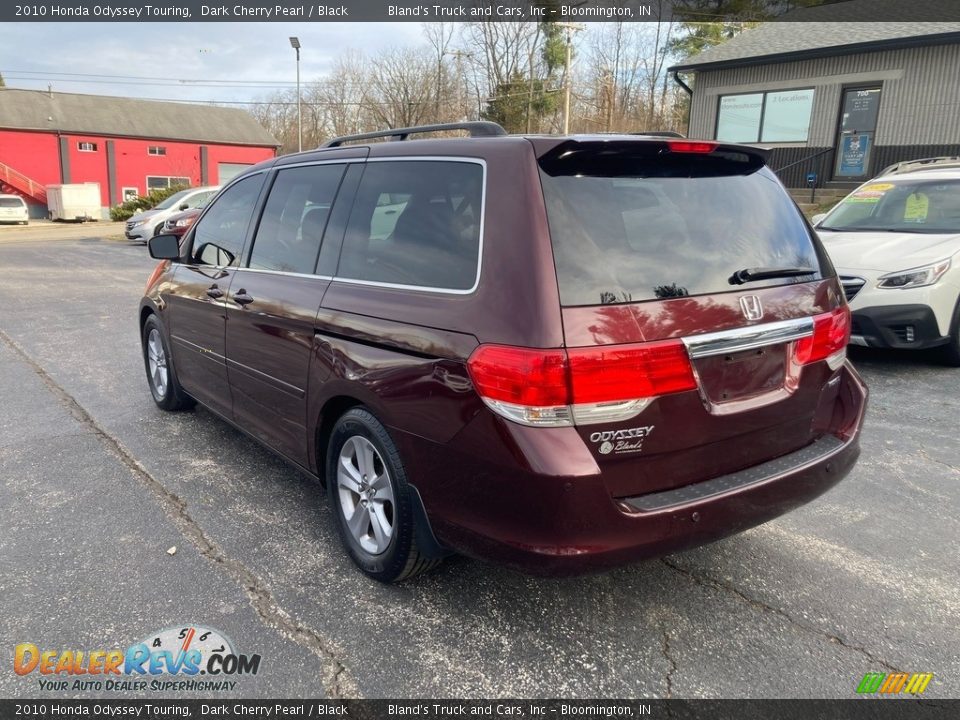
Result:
<point x="96" y="484"/>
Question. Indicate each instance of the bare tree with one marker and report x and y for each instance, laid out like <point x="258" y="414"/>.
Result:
<point x="402" y="87"/>
<point x="343" y="97"/>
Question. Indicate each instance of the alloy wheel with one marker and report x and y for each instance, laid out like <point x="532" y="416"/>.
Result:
<point x="157" y="364"/>
<point x="366" y="495"/>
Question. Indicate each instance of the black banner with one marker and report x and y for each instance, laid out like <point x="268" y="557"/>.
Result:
<point x="470" y="10"/>
<point x="858" y="709"/>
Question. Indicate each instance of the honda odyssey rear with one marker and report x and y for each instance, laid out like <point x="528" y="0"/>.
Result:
<point x="559" y="353"/>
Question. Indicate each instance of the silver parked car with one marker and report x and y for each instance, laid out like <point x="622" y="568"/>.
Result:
<point x="148" y="223"/>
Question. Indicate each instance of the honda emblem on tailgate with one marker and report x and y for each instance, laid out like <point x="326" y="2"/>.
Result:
<point x="752" y="309"/>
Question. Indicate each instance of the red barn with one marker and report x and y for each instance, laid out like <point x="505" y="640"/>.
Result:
<point x="128" y="146"/>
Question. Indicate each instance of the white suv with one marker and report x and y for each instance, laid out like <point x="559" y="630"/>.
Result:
<point x="895" y="242"/>
<point x="13" y="210"/>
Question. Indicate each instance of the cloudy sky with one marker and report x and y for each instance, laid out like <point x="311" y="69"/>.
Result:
<point x="182" y="56"/>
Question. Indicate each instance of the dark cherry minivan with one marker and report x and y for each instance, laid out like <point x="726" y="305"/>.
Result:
<point x="558" y="353"/>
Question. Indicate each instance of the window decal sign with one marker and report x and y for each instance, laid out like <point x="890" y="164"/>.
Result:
<point x="853" y="155"/>
<point x="869" y="193"/>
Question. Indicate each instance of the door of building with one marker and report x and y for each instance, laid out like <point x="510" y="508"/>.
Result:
<point x="855" y="133"/>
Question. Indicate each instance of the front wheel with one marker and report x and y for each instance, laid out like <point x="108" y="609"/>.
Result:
<point x="161" y="376"/>
<point x="371" y="499"/>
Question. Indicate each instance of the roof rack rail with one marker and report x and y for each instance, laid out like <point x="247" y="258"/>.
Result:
<point x="921" y="164"/>
<point x="477" y="128"/>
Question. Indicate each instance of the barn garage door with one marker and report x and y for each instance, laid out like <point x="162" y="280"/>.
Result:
<point x="228" y="171"/>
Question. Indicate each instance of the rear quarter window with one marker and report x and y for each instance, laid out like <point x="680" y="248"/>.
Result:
<point x="416" y="223"/>
<point x="640" y="227"/>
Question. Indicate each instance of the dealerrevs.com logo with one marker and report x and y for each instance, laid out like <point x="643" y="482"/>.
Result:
<point x="894" y="683"/>
<point x="170" y="660"/>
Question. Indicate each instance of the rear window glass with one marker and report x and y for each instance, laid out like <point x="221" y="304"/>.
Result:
<point x="416" y="223"/>
<point x="11" y="202"/>
<point x="648" y="225"/>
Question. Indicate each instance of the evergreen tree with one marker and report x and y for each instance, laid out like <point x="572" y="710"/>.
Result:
<point x="706" y="23"/>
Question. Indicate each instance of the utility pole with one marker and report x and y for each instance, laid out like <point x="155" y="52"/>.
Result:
<point x="436" y="118"/>
<point x="569" y="27"/>
<point x="458" y="55"/>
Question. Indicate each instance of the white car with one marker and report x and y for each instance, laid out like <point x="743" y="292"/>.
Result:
<point x="895" y="242"/>
<point x="13" y="209"/>
<point x="148" y="223"/>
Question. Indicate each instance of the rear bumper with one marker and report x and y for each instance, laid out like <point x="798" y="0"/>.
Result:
<point x="549" y="525"/>
<point x="911" y="327"/>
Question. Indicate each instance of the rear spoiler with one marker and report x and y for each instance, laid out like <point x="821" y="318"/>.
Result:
<point x="627" y="156"/>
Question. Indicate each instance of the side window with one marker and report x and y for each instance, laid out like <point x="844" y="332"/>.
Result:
<point x="218" y="236"/>
<point x="294" y="219"/>
<point x="415" y="222"/>
<point x="200" y="199"/>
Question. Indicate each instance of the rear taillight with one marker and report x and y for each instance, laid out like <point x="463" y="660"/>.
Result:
<point x="621" y="372"/>
<point x="831" y="333"/>
<point x="519" y="375"/>
<point x="580" y="385"/>
<point x="691" y="146"/>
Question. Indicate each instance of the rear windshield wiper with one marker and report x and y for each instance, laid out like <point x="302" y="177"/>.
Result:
<point x="750" y="274"/>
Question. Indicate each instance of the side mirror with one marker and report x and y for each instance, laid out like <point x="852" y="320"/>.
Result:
<point x="185" y="206"/>
<point x="815" y="220"/>
<point x="164" y="247"/>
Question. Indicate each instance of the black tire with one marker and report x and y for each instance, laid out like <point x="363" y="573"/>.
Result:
<point x="401" y="559"/>
<point x="158" y="229"/>
<point x="951" y="351"/>
<point x="168" y="396"/>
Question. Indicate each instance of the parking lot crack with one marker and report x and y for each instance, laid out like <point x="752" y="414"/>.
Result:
<point x="726" y="587"/>
<point x="334" y="678"/>
<point x="922" y="452"/>
<point x="665" y="636"/>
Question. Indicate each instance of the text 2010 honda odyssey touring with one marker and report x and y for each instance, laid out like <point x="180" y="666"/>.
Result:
<point x="558" y="353"/>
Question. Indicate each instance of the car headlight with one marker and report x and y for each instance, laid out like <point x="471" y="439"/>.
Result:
<point x="186" y="222"/>
<point x="137" y="224"/>
<point x="917" y="277"/>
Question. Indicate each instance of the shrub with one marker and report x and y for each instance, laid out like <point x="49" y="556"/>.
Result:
<point x="126" y="210"/>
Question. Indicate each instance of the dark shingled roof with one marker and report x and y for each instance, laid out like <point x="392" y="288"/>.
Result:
<point x="129" y="117"/>
<point x="832" y="30"/>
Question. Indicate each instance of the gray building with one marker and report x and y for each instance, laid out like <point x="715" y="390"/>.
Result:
<point x="841" y="100"/>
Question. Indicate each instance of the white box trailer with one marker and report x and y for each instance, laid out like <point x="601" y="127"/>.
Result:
<point x="76" y="201"/>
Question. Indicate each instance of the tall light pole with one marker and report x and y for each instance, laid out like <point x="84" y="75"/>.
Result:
<point x="569" y="27"/>
<point x="295" y="44"/>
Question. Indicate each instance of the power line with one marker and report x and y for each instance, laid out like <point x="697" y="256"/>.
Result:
<point x="47" y="74"/>
<point x="140" y="83"/>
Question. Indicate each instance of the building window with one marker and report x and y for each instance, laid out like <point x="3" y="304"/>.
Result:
<point x="780" y="116"/>
<point x="156" y="150"/>
<point x="86" y="147"/>
<point x="156" y="182"/>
